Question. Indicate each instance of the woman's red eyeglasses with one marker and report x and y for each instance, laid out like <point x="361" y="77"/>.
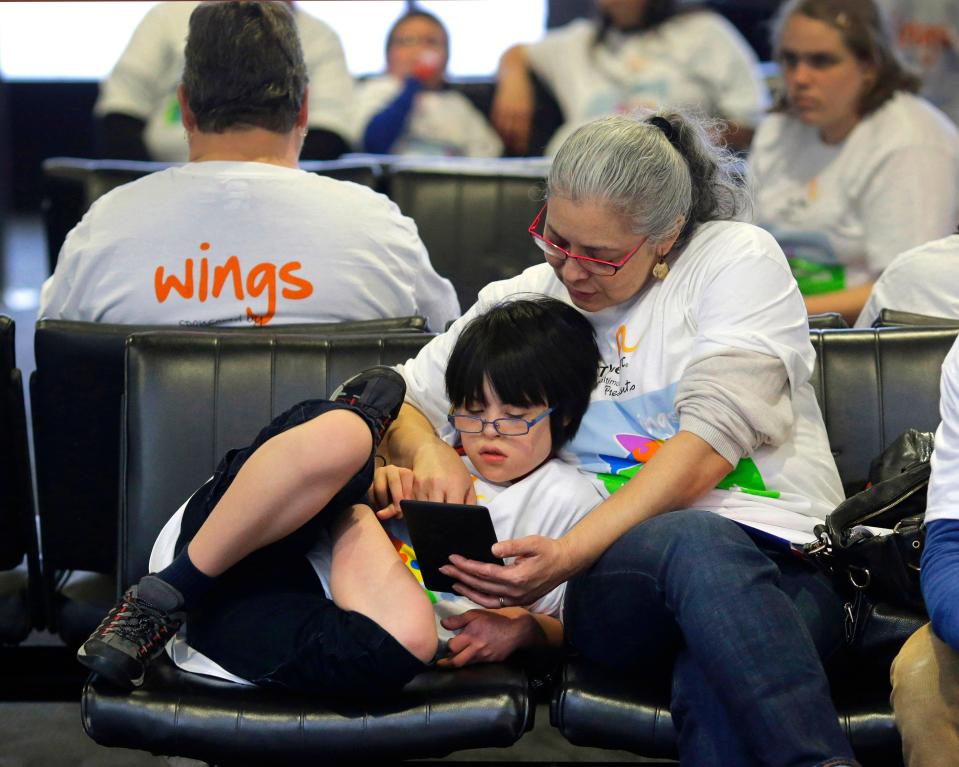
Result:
<point x="556" y="256"/>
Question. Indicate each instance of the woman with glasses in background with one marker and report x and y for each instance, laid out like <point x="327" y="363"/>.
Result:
<point x="851" y="155"/>
<point x="703" y="410"/>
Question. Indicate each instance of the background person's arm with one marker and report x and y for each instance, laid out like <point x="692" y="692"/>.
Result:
<point x="849" y="302"/>
<point x="513" y="100"/>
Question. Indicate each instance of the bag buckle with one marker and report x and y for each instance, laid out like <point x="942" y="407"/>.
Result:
<point x="863" y="575"/>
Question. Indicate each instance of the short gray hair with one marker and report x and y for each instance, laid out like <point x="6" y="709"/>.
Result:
<point x="655" y="179"/>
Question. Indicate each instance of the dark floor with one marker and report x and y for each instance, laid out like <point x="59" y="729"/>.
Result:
<point x="40" y="682"/>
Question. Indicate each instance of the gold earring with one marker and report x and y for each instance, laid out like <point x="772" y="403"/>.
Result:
<point x="661" y="268"/>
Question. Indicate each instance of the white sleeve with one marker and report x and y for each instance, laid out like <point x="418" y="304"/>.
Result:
<point x="731" y="66"/>
<point x="369" y="99"/>
<point x="875" y="304"/>
<point x="331" y="84"/>
<point x="752" y="302"/>
<point x="943" y="496"/>
<point x="479" y="138"/>
<point x="60" y="295"/>
<point x="134" y="87"/>
<point x="550" y="57"/>
<point x="911" y="198"/>
<point x="434" y="296"/>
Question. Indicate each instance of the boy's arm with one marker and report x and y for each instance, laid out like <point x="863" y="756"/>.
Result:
<point x="489" y="636"/>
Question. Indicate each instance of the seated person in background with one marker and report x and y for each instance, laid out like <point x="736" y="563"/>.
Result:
<point x="138" y="114"/>
<point x="300" y="584"/>
<point x="239" y="234"/>
<point x="851" y="154"/>
<point x="925" y="674"/>
<point x="411" y="110"/>
<point x="638" y="54"/>
<point x="928" y="36"/>
<point x="924" y="280"/>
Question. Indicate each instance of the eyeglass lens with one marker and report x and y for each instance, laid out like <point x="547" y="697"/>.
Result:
<point x="508" y="427"/>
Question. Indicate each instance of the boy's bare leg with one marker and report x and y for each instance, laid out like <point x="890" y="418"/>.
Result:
<point x="283" y="485"/>
<point x="367" y="576"/>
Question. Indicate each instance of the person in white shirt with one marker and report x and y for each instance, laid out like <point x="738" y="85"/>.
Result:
<point x="411" y="110"/>
<point x="925" y="673"/>
<point x="138" y="114"/>
<point x="640" y="53"/>
<point x="851" y="155"/>
<point x="287" y="578"/>
<point x="240" y="235"/>
<point x="928" y="35"/>
<point x="703" y="431"/>
<point x="924" y="280"/>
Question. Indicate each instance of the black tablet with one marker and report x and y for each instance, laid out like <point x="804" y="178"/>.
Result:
<point x="440" y="529"/>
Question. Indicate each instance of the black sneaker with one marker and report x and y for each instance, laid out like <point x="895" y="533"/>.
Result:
<point x="134" y="632"/>
<point x="375" y="394"/>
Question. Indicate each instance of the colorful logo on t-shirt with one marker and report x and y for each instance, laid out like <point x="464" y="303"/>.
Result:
<point x="203" y="280"/>
<point x="409" y="559"/>
<point x="618" y="437"/>
<point x="621" y="345"/>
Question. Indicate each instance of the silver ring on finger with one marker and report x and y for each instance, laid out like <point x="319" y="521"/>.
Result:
<point x="502" y="602"/>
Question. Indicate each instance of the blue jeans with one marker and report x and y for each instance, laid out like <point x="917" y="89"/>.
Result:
<point x="744" y="629"/>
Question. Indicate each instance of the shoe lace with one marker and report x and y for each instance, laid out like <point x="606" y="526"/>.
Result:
<point x="140" y="623"/>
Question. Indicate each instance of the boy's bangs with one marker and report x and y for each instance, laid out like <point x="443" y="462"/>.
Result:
<point x="508" y="372"/>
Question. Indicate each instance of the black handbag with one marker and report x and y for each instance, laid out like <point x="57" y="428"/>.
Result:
<point x="880" y="567"/>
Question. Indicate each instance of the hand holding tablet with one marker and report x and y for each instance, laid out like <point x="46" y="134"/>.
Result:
<point x="440" y="529"/>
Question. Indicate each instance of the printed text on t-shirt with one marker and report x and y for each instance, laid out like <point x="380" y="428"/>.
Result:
<point x="203" y="280"/>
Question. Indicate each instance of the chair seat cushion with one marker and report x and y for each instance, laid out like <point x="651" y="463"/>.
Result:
<point x="178" y="713"/>
<point x="597" y="708"/>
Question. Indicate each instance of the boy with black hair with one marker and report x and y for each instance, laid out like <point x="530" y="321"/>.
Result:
<point x="288" y="579"/>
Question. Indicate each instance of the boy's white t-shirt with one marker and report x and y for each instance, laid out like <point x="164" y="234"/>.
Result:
<point x="942" y="501"/>
<point x="695" y="60"/>
<point x="888" y="187"/>
<point x="730" y="288"/>
<point x="924" y="280"/>
<point x="441" y="122"/>
<point x="144" y="80"/>
<point x="549" y="501"/>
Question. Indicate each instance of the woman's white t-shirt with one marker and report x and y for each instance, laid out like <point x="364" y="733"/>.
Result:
<point x="730" y="288"/>
<point x="695" y="60"/>
<point x="891" y="185"/>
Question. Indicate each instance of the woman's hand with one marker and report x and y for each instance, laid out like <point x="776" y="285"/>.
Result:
<point x="539" y="566"/>
<point x="513" y="101"/>
<point x="439" y="474"/>
<point x="391" y="484"/>
<point x="487" y="636"/>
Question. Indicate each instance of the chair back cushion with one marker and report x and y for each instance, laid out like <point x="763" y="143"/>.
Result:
<point x="191" y="397"/>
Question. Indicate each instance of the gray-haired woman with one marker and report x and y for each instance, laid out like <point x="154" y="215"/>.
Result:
<point x="703" y="409"/>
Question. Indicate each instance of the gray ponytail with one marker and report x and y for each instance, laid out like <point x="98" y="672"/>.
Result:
<point x="652" y="177"/>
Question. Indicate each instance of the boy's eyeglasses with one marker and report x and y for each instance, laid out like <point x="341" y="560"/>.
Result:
<point x="507" y="427"/>
<point x="556" y="256"/>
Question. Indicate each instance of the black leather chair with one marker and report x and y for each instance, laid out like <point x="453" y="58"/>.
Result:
<point x="75" y="393"/>
<point x="20" y="606"/>
<point x="188" y="399"/>
<point x="891" y="318"/>
<point x="827" y="320"/>
<point x="71" y="185"/>
<point x="871" y="386"/>
<point x="472" y="216"/>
